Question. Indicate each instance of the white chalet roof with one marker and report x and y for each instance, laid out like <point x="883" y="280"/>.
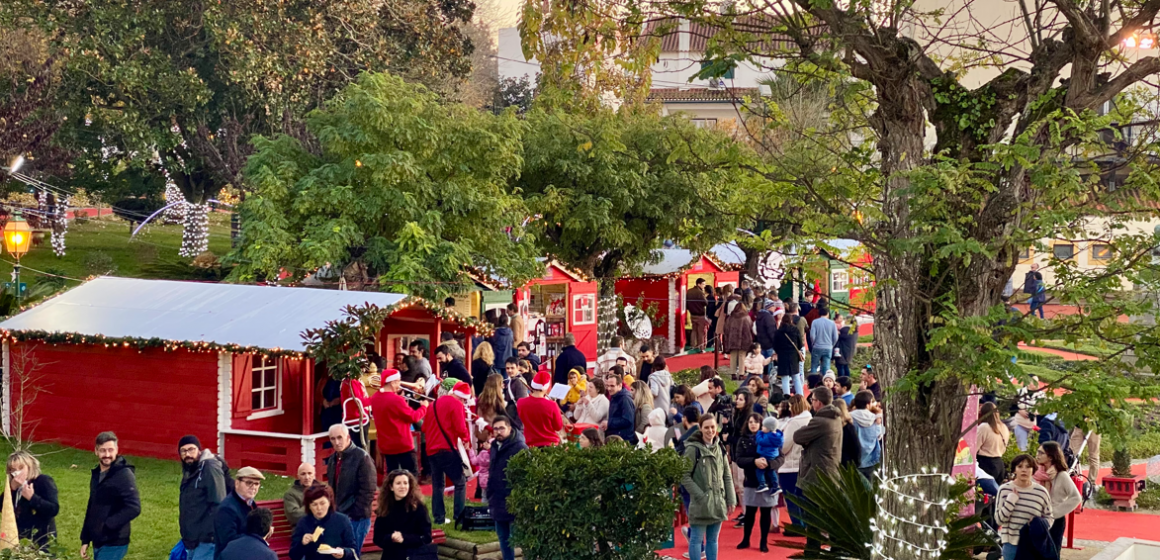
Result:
<point x="672" y="260"/>
<point x="246" y="315"/>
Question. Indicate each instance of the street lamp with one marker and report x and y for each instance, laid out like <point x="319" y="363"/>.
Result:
<point x="17" y="239"/>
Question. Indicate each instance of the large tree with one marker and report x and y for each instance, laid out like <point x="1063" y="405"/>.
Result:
<point x="30" y="74"/>
<point x="179" y="87"/>
<point x="610" y="187"/>
<point x="404" y="190"/>
<point x="1018" y="155"/>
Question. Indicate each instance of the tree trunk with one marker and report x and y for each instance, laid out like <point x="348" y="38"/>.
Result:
<point x="606" y="312"/>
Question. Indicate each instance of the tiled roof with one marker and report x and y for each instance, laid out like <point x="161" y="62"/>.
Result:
<point x="700" y="33"/>
<point x="729" y="95"/>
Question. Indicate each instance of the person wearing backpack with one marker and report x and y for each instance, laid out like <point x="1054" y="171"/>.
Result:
<point x="710" y="487"/>
<point x="202" y="490"/>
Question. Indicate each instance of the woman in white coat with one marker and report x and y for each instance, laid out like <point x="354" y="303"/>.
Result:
<point x="1053" y="475"/>
<point x="787" y="475"/>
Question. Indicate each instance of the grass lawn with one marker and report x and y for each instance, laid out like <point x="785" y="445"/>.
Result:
<point x="1099" y="349"/>
<point x="95" y="246"/>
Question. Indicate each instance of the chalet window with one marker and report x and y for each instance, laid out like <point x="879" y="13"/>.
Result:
<point x="264" y="391"/>
<point x="1100" y="253"/>
<point x="584" y="309"/>
<point x="839" y="281"/>
<point x="1063" y="251"/>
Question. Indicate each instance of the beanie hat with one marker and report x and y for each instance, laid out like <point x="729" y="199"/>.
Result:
<point x="186" y="440"/>
<point x="462" y="390"/>
<point x="830" y="374"/>
<point x="769" y="303"/>
<point x="542" y="381"/>
<point x="770" y="423"/>
<point x="390" y="375"/>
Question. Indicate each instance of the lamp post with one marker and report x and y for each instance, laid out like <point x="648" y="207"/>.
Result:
<point x="17" y="238"/>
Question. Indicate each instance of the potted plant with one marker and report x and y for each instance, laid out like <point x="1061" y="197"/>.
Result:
<point x="1122" y="485"/>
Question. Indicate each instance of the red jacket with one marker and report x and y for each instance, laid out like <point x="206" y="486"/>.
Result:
<point x="542" y="421"/>
<point x="393" y="419"/>
<point x="453" y="418"/>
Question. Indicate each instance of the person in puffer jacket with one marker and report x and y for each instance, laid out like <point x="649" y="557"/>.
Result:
<point x="769" y="442"/>
<point x="868" y="426"/>
<point x="656" y="434"/>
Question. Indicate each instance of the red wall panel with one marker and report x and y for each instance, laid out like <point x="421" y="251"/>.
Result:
<point x="149" y="398"/>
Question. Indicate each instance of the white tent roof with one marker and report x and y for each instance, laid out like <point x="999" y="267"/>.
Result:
<point x="729" y="253"/>
<point x="672" y="260"/>
<point x="250" y="316"/>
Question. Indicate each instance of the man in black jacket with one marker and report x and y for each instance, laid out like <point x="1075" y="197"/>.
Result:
<point x="696" y="304"/>
<point x="450" y="366"/>
<point x="203" y="487"/>
<point x="252" y="545"/>
<point x="351" y="474"/>
<point x="524" y="351"/>
<point x="508" y="442"/>
<point x="113" y="503"/>
<point x="230" y="522"/>
<point x="766" y="325"/>
<point x="570" y="357"/>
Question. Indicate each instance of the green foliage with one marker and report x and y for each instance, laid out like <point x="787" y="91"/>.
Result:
<point x="610" y="187"/>
<point x="1122" y="462"/>
<point x="1013" y="451"/>
<point x="340" y="343"/>
<point x="408" y="187"/>
<point x="98" y="263"/>
<point x="613" y="502"/>
<point x="837" y="512"/>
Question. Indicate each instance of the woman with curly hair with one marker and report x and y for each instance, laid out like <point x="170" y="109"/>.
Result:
<point x="402" y="525"/>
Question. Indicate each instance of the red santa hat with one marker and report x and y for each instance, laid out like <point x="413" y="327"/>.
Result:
<point x="462" y="390"/>
<point x="390" y="375"/>
<point x="542" y="381"/>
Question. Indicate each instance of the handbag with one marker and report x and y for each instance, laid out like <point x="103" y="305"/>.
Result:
<point x="475" y="518"/>
<point x="467" y="472"/>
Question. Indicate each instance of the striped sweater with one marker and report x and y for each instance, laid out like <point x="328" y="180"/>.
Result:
<point x="1013" y="512"/>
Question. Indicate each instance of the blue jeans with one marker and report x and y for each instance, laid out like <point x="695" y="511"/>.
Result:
<point x="770" y="367"/>
<point x="110" y="552"/>
<point x="820" y="356"/>
<point x="361" y="528"/>
<point x="797" y="384"/>
<point x="450" y="464"/>
<point x="1009" y="551"/>
<point x="842" y="369"/>
<point x="789" y="488"/>
<point x="503" y="530"/>
<point x="1037" y="306"/>
<point x="709" y="534"/>
<point x="204" y="551"/>
<point x="767" y="478"/>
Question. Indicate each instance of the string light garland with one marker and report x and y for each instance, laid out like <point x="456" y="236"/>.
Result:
<point x="886" y="525"/>
<point x="195" y="234"/>
<point x="60" y="227"/>
<point x="175" y="214"/>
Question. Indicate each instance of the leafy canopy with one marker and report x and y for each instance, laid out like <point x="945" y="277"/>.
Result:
<point x="410" y="188"/>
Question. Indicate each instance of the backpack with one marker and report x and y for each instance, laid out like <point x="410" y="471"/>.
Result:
<point x="226" y="475"/>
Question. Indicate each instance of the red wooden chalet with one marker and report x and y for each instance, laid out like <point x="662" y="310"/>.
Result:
<point x="154" y="360"/>
<point x="562" y="301"/>
<point x="662" y="287"/>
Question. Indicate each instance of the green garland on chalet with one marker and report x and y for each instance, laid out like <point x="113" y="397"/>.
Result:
<point x="142" y="344"/>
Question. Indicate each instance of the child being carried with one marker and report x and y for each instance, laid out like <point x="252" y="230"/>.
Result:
<point x="769" y="442"/>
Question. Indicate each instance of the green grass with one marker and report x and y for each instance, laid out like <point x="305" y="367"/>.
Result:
<point x="1098" y="349"/>
<point x="85" y="242"/>
<point x="477" y="537"/>
<point x="155" y="531"/>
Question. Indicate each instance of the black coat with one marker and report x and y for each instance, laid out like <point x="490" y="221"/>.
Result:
<point x="230" y="522"/>
<point x="479" y="372"/>
<point x="113" y="504"/>
<point x="415" y="527"/>
<point x="746" y="456"/>
<point x="766" y="329"/>
<point x="498" y="488"/>
<point x="570" y="357"/>
<point x="847" y="346"/>
<point x="456" y="369"/>
<point x="532" y="359"/>
<point x="787" y="345"/>
<point x="202" y="491"/>
<point x="248" y="547"/>
<point x="851" y="447"/>
<point x="36" y="518"/>
<point x="354" y="490"/>
<point x="1035" y="542"/>
<point x="337" y="532"/>
<point x="503" y="343"/>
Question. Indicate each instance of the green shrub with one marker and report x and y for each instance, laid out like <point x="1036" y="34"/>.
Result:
<point x="607" y="503"/>
<point x="1122" y="462"/>
<point x="98" y="263"/>
<point x="1013" y="447"/>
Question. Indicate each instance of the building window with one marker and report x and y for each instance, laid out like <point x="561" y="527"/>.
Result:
<point x="1063" y="251"/>
<point x="265" y="384"/>
<point x="728" y="75"/>
<point x="584" y="309"/>
<point x="1025" y="254"/>
<point x="1100" y="253"/>
<point x="705" y="123"/>
<point x="839" y="281"/>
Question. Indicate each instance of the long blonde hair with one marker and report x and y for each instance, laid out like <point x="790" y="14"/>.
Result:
<point x="641" y="395"/>
<point x="485" y="353"/>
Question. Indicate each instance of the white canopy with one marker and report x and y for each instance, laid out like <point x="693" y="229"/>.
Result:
<point x="246" y="315"/>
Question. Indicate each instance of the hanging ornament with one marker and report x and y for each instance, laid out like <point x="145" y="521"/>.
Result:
<point x="195" y="235"/>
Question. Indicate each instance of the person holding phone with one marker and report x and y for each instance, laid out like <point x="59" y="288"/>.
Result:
<point x="34" y="497"/>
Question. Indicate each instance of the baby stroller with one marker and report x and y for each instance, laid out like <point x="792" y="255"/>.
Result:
<point x="985" y="508"/>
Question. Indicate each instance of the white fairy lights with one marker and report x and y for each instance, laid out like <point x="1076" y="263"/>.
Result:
<point x="195" y="235"/>
<point x="60" y="226"/>
<point x="901" y="489"/>
<point x="174" y="214"/>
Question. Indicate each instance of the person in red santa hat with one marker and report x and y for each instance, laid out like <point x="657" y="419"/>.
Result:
<point x="444" y="427"/>
<point x="393" y="419"/>
<point x="540" y="415"/>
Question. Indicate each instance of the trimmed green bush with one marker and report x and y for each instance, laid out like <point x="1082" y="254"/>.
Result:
<point x="608" y="503"/>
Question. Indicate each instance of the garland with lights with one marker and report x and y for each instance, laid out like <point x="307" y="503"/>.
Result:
<point x="174" y="214"/>
<point x="195" y="234"/>
<point x="60" y="227"/>
<point x="886" y="525"/>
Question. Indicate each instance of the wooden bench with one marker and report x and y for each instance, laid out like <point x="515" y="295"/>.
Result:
<point x="280" y="541"/>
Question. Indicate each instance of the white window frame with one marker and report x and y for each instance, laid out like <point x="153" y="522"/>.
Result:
<point x="576" y="306"/>
<point x="834" y="274"/>
<point x="257" y="373"/>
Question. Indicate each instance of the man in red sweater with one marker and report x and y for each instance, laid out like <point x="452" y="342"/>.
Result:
<point x="393" y="419"/>
<point x="444" y="427"/>
<point x="541" y="417"/>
